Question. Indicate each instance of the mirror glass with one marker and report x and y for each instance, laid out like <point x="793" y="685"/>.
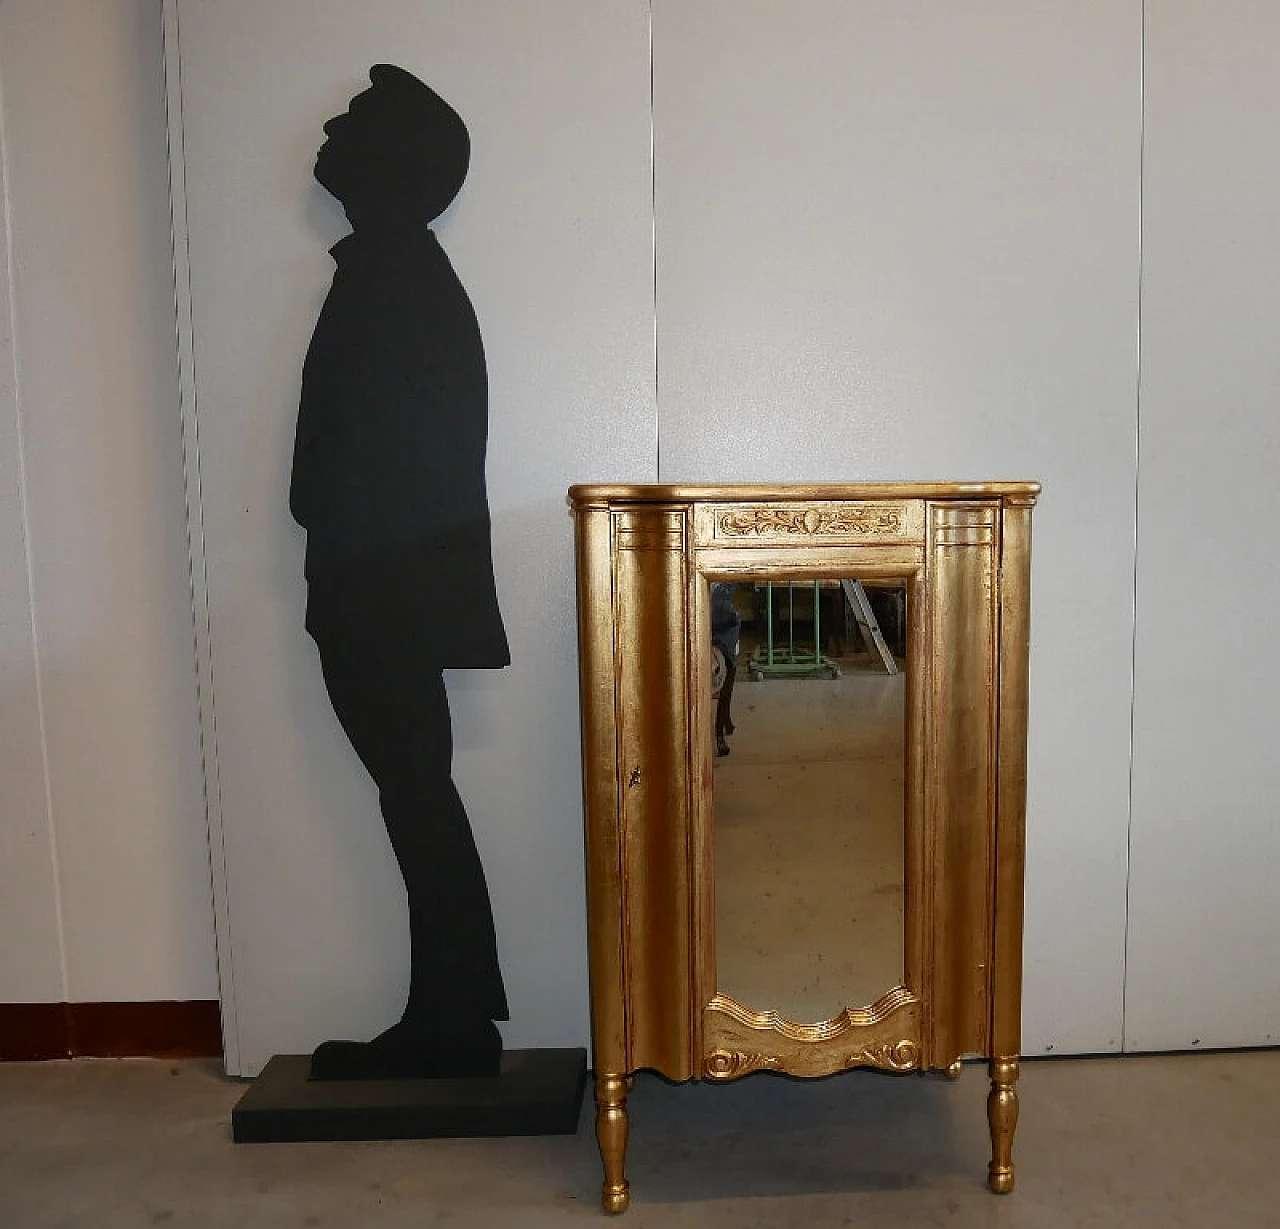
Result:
<point x="809" y="682"/>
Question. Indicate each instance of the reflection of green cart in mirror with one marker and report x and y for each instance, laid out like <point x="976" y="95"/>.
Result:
<point x="775" y="659"/>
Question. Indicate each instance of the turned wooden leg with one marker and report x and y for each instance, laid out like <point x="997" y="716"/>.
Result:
<point x="611" y="1131"/>
<point x="1002" y="1114"/>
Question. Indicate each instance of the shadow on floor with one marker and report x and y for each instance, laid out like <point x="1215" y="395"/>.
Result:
<point x="768" y="1135"/>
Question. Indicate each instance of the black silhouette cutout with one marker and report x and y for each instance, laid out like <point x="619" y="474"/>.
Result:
<point x="388" y="481"/>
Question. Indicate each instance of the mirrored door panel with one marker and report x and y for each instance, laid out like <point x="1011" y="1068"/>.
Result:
<point x="809" y="683"/>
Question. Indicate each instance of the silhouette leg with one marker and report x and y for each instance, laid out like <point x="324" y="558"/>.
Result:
<point x="393" y="707"/>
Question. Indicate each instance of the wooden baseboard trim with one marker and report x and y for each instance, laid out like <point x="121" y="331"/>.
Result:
<point x="36" y="1031"/>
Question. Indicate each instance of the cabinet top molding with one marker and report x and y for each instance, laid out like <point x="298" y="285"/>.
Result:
<point x="585" y="495"/>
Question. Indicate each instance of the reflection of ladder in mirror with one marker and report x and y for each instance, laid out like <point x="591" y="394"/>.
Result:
<point x="867" y="625"/>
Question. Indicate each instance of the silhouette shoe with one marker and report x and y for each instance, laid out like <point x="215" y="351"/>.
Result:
<point x="410" y="1052"/>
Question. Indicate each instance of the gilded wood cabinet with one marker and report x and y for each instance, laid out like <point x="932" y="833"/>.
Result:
<point x="646" y="556"/>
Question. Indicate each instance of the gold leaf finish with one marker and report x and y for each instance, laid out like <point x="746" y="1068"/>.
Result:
<point x="884" y="1035"/>
<point x="1002" y="1114"/>
<point x="850" y="1019"/>
<point x="645" y="556"/>
<point x="899" y="1056"/>
<point x="842" y="521"/>
<point x="799" y="523"/>
<point x="730" y="1064"/>
<point x="611" y="1134"/>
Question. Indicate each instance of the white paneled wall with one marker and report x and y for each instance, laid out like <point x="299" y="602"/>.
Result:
<point x="552" y="237"/>
<point x="31" y="954"/>
<point x="893" y="241"/>
<point x="1204" y="921"/>
<point x="900" y="241"/>
<point x="104" y="883"/>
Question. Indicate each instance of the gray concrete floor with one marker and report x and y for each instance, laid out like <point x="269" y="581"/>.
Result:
<point x="1140" y="1141"/>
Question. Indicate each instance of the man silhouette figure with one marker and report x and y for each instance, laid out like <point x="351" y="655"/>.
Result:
<point x="388" y="481"/>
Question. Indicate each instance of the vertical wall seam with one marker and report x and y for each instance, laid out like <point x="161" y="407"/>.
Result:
<point x="653" y="218"/>
<point x="202" y="635"/>
<point x="1137" y="507"/>
<point x="24" y="514"/>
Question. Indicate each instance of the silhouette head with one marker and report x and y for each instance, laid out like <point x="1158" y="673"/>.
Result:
<point x="397" y="155"/>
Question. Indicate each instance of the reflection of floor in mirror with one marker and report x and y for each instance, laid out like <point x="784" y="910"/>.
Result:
<point x="809" y="844"/>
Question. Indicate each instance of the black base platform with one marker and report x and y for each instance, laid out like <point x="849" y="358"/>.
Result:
<point x="538" y="1092"/>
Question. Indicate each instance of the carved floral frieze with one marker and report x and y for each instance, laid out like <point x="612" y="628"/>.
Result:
<point x="847" y="520"/>
<point x="730" y="1064"/>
